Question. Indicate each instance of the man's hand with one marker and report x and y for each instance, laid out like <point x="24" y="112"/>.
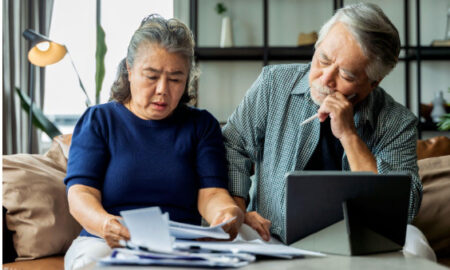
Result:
<point x="225" y="214"/>
<point x="340" y="110"/>
<point x="113" y="231"/>
<point x="260" y="224"/>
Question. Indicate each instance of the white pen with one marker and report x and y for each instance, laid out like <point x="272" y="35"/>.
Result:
<point x="317" y="115"/>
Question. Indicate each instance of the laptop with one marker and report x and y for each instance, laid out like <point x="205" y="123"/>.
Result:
<point x="348" y="213"/>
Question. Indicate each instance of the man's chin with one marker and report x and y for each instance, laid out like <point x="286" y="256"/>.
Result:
<point x="315" y="100"/>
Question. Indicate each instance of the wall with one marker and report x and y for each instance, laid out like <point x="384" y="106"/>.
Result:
<point x="223" y="84"/>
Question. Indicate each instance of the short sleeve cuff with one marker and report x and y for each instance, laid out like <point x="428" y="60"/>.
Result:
<point x="84" y="182"/>
<point x="213" y="182"/>
<point x="239" y="184"/>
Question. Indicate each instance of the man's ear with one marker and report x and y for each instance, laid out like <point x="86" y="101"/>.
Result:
<point x="374" y="84"/>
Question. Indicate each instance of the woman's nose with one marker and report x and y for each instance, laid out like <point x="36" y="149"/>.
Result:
<point x="161" y="88"/>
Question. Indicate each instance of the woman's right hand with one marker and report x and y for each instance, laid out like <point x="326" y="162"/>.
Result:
<point x="113" y="231"/>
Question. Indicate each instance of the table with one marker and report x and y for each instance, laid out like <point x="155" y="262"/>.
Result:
<point x="386" y="261"/>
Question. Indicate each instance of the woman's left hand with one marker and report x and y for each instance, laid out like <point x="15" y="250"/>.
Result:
<point x="228" y="213"/>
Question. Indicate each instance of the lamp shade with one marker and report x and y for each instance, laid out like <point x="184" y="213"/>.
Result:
<point x="43" y="51"/>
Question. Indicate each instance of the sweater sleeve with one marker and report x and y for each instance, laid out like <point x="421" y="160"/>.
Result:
<point x="88" y="155"/>
<point x="210" y="161"/>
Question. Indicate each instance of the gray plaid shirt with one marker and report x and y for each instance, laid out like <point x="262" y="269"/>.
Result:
<point x="265" y="130"/>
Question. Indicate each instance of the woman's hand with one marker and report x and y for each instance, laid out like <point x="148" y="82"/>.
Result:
<point x="113" y="231"/>
<point x="217" y="206"/>
<point x="258" y="223"/>
<point x="228" y="213"/>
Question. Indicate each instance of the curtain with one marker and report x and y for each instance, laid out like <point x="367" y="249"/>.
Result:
<point x="19" y="15"/>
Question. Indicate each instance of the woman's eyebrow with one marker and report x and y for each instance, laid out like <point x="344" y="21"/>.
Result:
<point x="176" y="72"/>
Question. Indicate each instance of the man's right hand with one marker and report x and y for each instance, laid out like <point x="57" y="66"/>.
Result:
<point x="260" y="224"/>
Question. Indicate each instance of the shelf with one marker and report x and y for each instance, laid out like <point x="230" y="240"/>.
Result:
<point x="227" y="54"/>
<point x="428" y="126"/>
<point x="291" y="53"/>
<point x="301" y="53"/>
<point x="428" y="53"/>
<point x="253" y="53"/>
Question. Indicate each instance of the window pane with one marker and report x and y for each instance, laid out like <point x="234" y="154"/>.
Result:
<point x="73" y="24"/>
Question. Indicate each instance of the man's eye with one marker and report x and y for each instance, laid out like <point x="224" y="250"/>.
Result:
<point x="152" y="78"/>
<point x="348" y="79"/>
<point x="174" y="80"/>
<point x="323" y="62"/>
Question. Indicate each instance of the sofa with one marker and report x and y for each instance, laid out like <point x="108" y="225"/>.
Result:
<point x="38" y="229"/>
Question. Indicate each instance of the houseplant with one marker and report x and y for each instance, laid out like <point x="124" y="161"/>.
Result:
<point x="444" y="124"/>
<point x="226" y="36"/>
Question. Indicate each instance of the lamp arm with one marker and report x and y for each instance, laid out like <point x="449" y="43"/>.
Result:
<point x="88" y="101"/>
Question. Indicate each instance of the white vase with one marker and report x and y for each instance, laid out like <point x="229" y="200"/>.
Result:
<point x="226" y="36"/>
<point x="438" y="107"/>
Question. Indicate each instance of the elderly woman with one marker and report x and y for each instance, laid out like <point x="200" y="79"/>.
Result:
<point x="147" y="147"/>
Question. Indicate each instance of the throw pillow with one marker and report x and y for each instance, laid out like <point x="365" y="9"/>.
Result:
<point x="35" y="198"/>
<point x="434" y="214"/>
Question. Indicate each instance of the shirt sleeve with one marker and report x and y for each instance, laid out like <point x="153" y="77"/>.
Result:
<point x="244" y="135"/>
<point x="210" y="161"/>
<point x="88" y="155"/>
<point x="396" y="152"/>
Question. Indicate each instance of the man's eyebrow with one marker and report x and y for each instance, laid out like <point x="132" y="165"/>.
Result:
<point x="348" y="73"/>
<point x="324" y="56"/>
<point x="176" y="72"/>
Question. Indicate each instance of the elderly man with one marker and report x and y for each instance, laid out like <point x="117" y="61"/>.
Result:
<point x="359" y="126"/>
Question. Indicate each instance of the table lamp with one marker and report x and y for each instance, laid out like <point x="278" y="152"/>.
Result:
<point x="44" y="52"/>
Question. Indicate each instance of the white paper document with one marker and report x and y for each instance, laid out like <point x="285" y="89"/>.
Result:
<point x="148" y="228"/>
<point x="155" y="240"/>
<point x="248" y="241"/>
<point x="188" y="231"/>
<point x="176" y="258"/>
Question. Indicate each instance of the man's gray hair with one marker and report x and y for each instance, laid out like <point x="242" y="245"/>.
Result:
<point x="375" y="33"/>
<point x="172" y="35"/>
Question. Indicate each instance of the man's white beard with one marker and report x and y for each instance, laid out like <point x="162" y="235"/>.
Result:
<point x="320" y="90"/>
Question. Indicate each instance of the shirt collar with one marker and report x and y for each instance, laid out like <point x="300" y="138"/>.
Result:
<point x="365" y="110"/>
<point x="302" y="86"/>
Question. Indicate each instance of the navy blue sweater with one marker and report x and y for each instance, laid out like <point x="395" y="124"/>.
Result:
<point x="140" y="163"/>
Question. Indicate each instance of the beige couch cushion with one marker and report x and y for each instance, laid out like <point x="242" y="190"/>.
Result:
<point x="35" y="198"/>
<point x="434" y="214"/>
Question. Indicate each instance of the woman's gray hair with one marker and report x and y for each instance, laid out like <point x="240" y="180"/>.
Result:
<point x="372" y="29"/>
<point x="172" y="35"/>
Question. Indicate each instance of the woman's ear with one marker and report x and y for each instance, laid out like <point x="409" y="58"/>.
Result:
<point x="128" y="68"/>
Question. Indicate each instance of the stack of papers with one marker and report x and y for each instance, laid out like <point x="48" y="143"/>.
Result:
<point x="155" y="240"/>
<point x="137" y="257"/>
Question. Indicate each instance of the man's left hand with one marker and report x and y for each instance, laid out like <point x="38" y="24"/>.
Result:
<point x="340" y="110"/>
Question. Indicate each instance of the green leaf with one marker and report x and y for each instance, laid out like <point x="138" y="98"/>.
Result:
<point x="444" y="124"/>
<point x="39" y="119"/>
<point x="221" y="8"/>
<point x="100" y="62"/>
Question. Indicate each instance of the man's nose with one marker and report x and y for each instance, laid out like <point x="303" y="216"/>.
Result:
<point x="329" y="77"/>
